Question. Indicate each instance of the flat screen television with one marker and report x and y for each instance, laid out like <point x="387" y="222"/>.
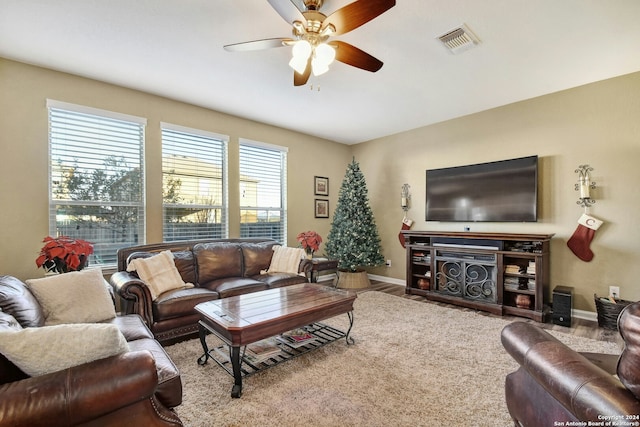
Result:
<point x="501" y="191"/>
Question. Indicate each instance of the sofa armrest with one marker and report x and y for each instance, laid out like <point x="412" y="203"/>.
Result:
<point x="580" y="386"/>
<point x="305" y="267"/>
<point x="82" y="393"/>
<point x="135" y="295"/>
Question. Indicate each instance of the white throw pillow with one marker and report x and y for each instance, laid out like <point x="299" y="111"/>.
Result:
<point x="159" y="272"/>
<point x="285" y="260"/>
<point x="39" y="351"/>
<point x="74" y="297"/>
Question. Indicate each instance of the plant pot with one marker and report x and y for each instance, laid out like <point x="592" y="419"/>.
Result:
<point x="352" y="280"/>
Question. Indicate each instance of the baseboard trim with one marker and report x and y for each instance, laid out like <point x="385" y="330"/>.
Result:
<point x="586" y="315"/>
<point x="386" y="279"/>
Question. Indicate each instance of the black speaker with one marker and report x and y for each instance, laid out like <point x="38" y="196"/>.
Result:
<point x="562" y="304"/>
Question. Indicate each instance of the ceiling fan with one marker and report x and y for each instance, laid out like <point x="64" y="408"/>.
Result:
<point x="312" y="47"/>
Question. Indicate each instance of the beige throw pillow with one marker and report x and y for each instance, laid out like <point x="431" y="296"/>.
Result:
<point x="159" y="272"/>
<point x="74" y="297"/>
<point x="285" y="260"/>
<point x="39" y="351"/>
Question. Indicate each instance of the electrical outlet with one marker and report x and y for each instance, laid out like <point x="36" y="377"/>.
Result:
<point x="614" y="291"/>
<point x="388" y="263"/>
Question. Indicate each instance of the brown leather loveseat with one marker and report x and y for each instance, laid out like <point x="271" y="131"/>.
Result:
<point x="557" y="386"/>
<point x="138" y="387"/>
<point x="218" y="268"/>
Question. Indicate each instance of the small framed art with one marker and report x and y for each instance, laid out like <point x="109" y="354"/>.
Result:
<point x="321" y="186"/>
<point x="322" y="208"/>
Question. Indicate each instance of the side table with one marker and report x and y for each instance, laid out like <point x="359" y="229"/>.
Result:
<point x="322" y="264"/>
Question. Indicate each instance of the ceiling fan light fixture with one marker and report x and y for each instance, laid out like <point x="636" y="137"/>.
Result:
<point x="301" y="51"/>
<point x="325" y="53"/>
<point x="318" y="67"/>
<point x="323" y="56"/>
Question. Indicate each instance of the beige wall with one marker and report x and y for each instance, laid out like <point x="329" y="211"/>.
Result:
<point x="24" y="165"/>
<point x="598" y="124"/>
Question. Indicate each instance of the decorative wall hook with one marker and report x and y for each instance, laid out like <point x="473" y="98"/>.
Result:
<point x="584" y="186"/>
<point x="405" y="197"/>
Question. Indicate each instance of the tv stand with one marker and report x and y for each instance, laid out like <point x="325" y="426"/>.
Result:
<point x="502" y="273"/>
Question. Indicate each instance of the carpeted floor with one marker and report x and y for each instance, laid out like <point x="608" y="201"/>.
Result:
<point x="412" y="365"/>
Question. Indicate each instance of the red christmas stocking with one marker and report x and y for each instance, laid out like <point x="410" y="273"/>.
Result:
<point x="582" y="237"/>
<point x="406" y="224"/>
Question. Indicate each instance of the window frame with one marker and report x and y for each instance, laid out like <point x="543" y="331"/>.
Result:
<point x="224" y="156"/>
<point x="243" y="142"/>
<point x="58" y="108"/>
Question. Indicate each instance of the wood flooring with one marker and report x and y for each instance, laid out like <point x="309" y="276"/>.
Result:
<point x="579" y="327"/>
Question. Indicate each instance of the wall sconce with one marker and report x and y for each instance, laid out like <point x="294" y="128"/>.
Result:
<point x="584" y="186"/>
<point x="405" y="197"/>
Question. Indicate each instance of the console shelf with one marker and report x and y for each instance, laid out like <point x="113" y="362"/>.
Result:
<point x="501" y="273"/>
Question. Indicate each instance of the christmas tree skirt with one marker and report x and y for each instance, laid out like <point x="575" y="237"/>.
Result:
<point x="352" y="280"/>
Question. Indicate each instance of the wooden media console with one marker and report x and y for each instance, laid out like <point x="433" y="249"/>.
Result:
<point x="496" y="272"/>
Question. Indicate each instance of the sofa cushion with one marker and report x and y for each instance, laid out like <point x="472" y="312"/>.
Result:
<point x="180" y="302"/>
<point x="159" y="272"/>
<point x="169" y="390"/>
<point x="230" y="287"/>
<point x="186" y="265"/>
<point x="184" y="261"/>
<point x="38" y="351"/>
<point x="257" y="257"/>
<point x="131" y="326"/>
<point x="17" y="300"/>
<point x="217" y="260"/>
<point x="285" y="260"/>
<point x="278" y="280"/>
<point x="74" y="297"/>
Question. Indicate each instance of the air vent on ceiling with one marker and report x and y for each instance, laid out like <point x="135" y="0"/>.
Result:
<point x="459" y="39"/>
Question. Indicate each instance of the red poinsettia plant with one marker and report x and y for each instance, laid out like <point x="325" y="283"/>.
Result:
<point x="310" y="241"/>
<point x="63" y="254"/>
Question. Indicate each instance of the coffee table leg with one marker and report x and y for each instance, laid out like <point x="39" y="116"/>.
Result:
<point x="236" y="391"/>
<point x="202" y="332"/>
<point x="349" y="339"/>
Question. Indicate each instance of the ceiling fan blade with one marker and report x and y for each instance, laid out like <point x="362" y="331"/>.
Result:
<point x="288" y="10"/>
<point x="357" y="13"/>
<point x="301" y="79"/>
<point x="257" y="44"/>
<point x="355" y="57"/>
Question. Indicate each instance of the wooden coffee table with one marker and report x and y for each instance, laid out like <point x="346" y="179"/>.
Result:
<point x="245" y="319"/>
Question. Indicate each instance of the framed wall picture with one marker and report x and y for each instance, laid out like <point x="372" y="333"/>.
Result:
<point x="322" y="208"/>
<point x="321" y="186"/>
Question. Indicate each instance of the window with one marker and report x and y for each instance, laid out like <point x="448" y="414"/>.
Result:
<point x="96" y="178"/>
<point x="194" y="184"/>
<point x="263" y="180"/>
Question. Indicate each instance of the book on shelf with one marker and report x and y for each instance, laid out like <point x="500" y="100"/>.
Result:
<point x="296" y="338"/>
<point x="512" y="269"/>
<point x="261" y="350"/>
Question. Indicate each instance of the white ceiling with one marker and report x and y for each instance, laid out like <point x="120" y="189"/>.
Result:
<point x="173" y="48"/>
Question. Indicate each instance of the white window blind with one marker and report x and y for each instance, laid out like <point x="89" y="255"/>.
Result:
<point x="194" y="184"/>
<point x="263" y="174"/>
<point x="96" y="178"/>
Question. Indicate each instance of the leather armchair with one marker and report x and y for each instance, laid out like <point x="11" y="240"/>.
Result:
<point x="115" y="391"/>
<point x="556" y="384"/>
<point x="137" y="388"/>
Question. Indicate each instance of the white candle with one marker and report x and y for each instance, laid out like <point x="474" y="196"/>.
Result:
<point x="403" y="202"/>
<point x="584" y="190"/>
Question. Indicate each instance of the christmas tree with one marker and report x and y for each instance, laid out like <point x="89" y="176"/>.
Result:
<point x="353" y="239"/>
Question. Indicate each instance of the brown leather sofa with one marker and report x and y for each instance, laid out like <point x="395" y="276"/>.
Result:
<point x="218" y="268"/>
<point x="137" y="388"/>
<point x="556" y="385"/>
